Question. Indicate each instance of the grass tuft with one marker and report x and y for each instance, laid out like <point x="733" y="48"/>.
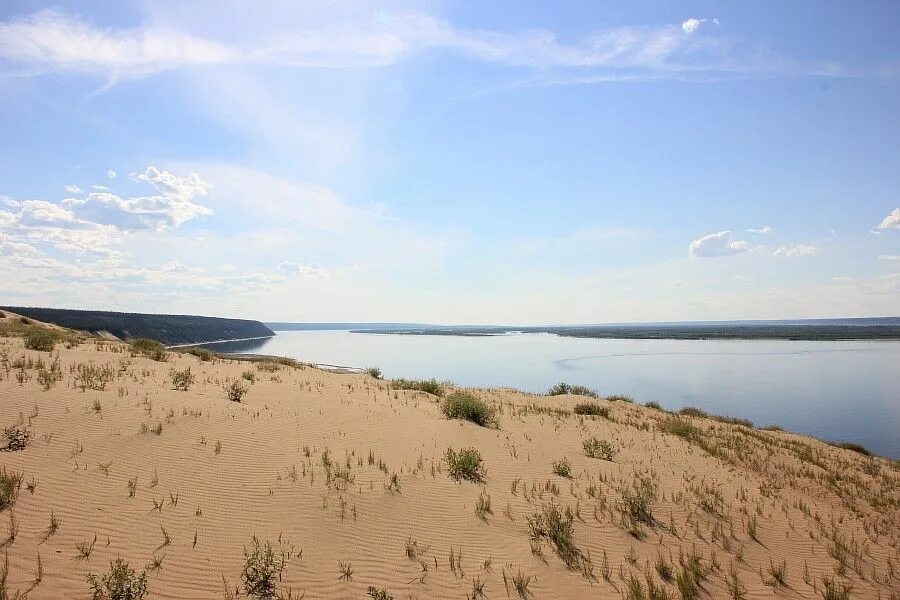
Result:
<point x="462" y="405"/>
<point x="465" y="464"/>
<point x="119" y="583"/>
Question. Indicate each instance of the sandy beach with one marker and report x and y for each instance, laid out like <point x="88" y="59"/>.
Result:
<point x="347" y="478"/>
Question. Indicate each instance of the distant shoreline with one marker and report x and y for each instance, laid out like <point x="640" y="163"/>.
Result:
<point x="246" y="339"/>
<point x="743" y="332"/>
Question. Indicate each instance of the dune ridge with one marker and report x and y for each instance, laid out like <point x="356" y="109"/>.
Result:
<point x="340" y="469"/>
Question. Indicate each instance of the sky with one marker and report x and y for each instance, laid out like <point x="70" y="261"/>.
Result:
<point x="447" y="162"/>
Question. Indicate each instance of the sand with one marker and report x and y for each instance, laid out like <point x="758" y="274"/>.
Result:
<point x="220" y="472"/>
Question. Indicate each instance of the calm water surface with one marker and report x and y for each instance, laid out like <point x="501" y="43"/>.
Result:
<point x="832" y="390"/>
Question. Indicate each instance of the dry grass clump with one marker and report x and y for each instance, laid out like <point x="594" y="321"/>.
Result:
<point x="853" y="447"/>
<point x="14" y="439"/>
<point x="592" y="409"/>
<point x="93" y="377"/>
<point x="149" y="348"/>
<point x="262" y="569"/>
<point x="10" y="482"/>
<point x="462" y="405"/>
<point x="465" y="464"/>
<point x="597" y="448"/>
<point x="235" y="390"/>
<point x="693" y="411"/>
<point x="429" y="386"/>
<point x="564" y="389"/>
<point x="556" y="527"/>
<point x="181" y="380"/>
<point x="562" y="467"/>
<point x="202" y="353"/>
<point x="119" y="583"/>
<point x="41" y="340"/>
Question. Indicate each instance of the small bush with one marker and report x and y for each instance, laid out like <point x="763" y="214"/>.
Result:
<point x="149" y="348"/>
<point x="462" y="405"/>
<point x="562" y="467"/>
<point x="10" y="482"/>
<point x="40" y="339"/>
<point x="14" y="439"/>
<point x="262" y="569"/>
<point x="591" y="408"/>
<point x="620" y="398"/>
<point x="429" y="386"/>
<point x="597" y="448"/>
<point x="681" y="428"/>
<point x="853" y="447"/>
<point x="636" y="501"/>
<point x="465" y="464"/>
<point x="564" y="389"/>
<point x="120" y="583"/>
<point x="373" y="372"/>
<point x="202" y="353"/>
<point x="182" y="380"/>
<point x="235" y="390"/>
<point x="378" y="594"/>
<point x="654" y="405"/>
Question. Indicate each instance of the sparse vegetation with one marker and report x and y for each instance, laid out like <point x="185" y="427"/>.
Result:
<point x="462" y="405"/>
<point x="465" y="464"/>
<point x="373" y="372"/>
<point x="41" y="340"/>
<point x="562" y="467"/>
<point x="556" y="527"/>
<point x="150" y="348"/>
<point x="853" y="447"/>
<point x="429" y="386"/>
<point x="262" y="569"/>
<point x="10" y="482"/>
<point x="564" y="389"/>
<point x="93" y="377"/>
<point x="235" y="390"/>
<point x="119" y="583"/>
<point x="597" y="448"/>
<point x="14" y="439"/>
<point x="591" y="408"/>
<point x="182" y="380"/>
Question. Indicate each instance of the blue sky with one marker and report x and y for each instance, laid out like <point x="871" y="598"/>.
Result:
<point x="452" y="162"/>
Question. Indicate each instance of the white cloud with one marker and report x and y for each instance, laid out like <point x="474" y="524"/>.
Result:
<point x="717" y="244"/>
<point x="890" y="257"/>
<point x="794" y="250"/>
<point x="764" y="230"/>
<point x="892" y="221"/>
<point x="111" y="174"/>
<point x="174" y="205"/>
<point x="73" y="189"/>
<point x="692" y="25"/>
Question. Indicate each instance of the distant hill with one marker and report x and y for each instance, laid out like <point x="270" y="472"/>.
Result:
<point x="168" y="329"/>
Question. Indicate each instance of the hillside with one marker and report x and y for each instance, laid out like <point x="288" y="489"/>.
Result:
<point x="168" y="329"/>
<point x="113" y="462"/>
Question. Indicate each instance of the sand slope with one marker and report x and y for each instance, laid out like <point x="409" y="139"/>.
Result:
<point x="825" y="512"/>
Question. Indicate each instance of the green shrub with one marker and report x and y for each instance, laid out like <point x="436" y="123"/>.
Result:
<point x="235" y="390"/>
<point x="377" y="594"/>
<point x="462" y="405"/>
<point x="182" y="380"/>
<point x="562" y="467"/>
<point x="429" y="386"/>
<point x="149" y="348"/>
<point x="853" y="447"/>
<point x="636" y="501"/>
<point x="93" y="377"/>
<point x="262" y="569"/>
<point x="120" y="583"/>
<point x="592" y="409"/>
<point x="564" y="389"/>
<point x="40" y="339"/>
<point x="465" y="464"/>
<point x="597" y="448"/>
<point x="373" y="372"/>
<point x="202" y="353"/>
<point x="620" y="398"/>
<point x="654" y="405"/>
<point x="681" y="428"/>
<point x="692" y="411"/>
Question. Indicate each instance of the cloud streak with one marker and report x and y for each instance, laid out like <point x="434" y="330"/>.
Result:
<point x="717" y="244"/>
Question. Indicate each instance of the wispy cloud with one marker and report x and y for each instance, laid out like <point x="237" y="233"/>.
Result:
<point x="794" y="250"/>
<point x="764" y="230"/>
<point x="55" y="41"/>
<point x="717" y="244"/>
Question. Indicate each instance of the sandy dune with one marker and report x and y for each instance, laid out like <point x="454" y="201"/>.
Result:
<point x="220" y="472"/>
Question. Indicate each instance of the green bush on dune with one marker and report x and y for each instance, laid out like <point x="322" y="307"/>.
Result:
<point x="462" y="405"/>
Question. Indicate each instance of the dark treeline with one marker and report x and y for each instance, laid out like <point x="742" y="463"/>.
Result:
<point x="168" y="329"/>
